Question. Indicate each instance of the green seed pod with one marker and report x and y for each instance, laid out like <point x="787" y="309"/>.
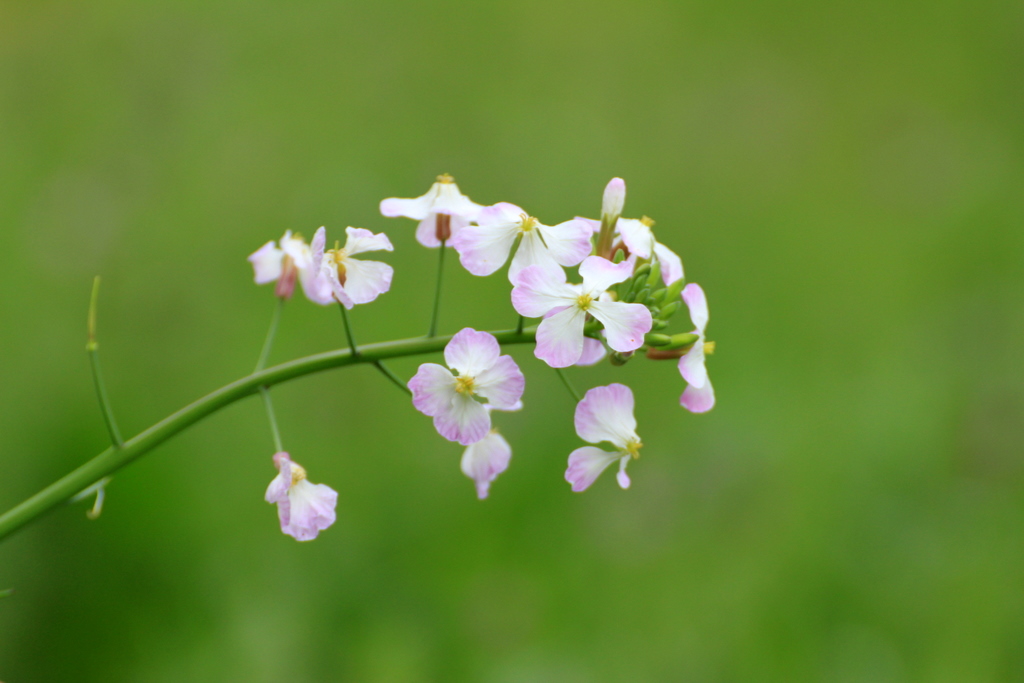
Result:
<point x="669" y="309"/>
<point x="619" y="257"/>
<point x="654" y="339"/>
<point x="681" y="341"/>
<point x="641" y="271"/>
<point x="655" y="275"/>
<point x="675" y="289"/>
<point x="643" y="295"/>
<point x="659" y="325"/>
<point x="658" y="296"/>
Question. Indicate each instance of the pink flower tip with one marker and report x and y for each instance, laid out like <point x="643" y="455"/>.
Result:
<point x="614" y="197"/>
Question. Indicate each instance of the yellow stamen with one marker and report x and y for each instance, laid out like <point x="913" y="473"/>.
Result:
<point x="633" y="448"/>
<point x="445" y="178"/>
<point x="464" y="385"/>
<point x="527" y="223"/>
<point x="298" y="474"/>
<point x="584" y="301"/>
<point x="648" y="221"/>
<point x="709" y="348"/>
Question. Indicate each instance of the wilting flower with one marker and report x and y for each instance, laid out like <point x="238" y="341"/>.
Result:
<point x="292" y="260"/>
<point x="484" y="460"/>
<point x="604" y="414"/>
<point x="352" y="281"/>
<point x="699" y="396"/>
<point x="442" y="211"/>
<point x="538" y="291"/>
<point x="305" y="509"/>
<point x="484" y="248"/>
<point x="481" y="372"/>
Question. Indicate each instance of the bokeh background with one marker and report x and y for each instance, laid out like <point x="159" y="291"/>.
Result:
<point x="846" y="180"/>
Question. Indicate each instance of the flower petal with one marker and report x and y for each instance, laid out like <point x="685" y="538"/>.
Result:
<point x="614" y="197"/>
<point x="416" y="209"/>
<point x="637" y="236"/>
<point x="606" y="414"/>
<point x="484" y="249"/>
<point x="266" y="263"/>
<point x="622" y="477"/>
<point x="360" y="240"/>
<point x="698" y="399"/>
<point x="278" y="489"/>
<point x="297" y="249"/>
<point x="671" y="264"/>
<point x="432" y="387"/>
<point x="502" y="383"/>
<point x="533" y="252"/>
<point x="316" y="249"/>
<point x="366" y="280"/>
<point x="426" y="231"/>
<point x="593" y="352"/>
<point x="537" y="291"/>
<point x="599" y="273"/>
<point x="560" y="338"/>
<point x="471" y="352"/>
<point x="585" y="465"/>
<point x="695" y="300"/>
<point x="568" y="242"/>
<point x="484" y="460"/>
<point x="691" y="364"/>
<point x="465" y="420"/>
<point x="501" y="213"/>
<point x="316" y="287"/>
<point x="311" y="510"/>
<point x="624" y="324"/>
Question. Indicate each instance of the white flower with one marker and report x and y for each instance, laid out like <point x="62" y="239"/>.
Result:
<point x="604" y="414"/>
<point x="293" y="260"/>
<point x="353" y="281"/>
<point x="442" y="211"/>
<point x="699" y="396"/>
<point x="304" y="509"/>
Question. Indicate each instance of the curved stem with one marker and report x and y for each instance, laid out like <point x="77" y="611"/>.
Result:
<point x="269" y="341"/>
<point x="568" y="384"/>
<point x="113" y="459"/>
<point x="386" y="371"/>
<point x="272" y="419"/>
<point x="93" y="347"/>
<point x="437" y="292"/>
<point x="348" y="330"/>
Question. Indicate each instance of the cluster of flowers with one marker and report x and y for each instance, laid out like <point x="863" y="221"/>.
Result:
<point x="631" y="286"/>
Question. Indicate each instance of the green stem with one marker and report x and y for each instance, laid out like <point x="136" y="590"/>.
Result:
<point x="437" y="292"/>
<point x="269" y="405"/>
<point x="92" y="346"/>
<point x="392" y="376"/>
<point x="568" y="384"/>
<point x="271" y="333"/>
<point x="519" y="325"/>
<point x="348" y="330"/>
<point x="113" y="459"/>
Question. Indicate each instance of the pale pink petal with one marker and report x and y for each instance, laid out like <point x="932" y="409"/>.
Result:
<point x="691" y="365"/>
<point x="432" y="387"/>
<point x="698" y="399"/>
<point x="484" y="460"/>
<point x="586" y="464"/>
<point x="278" y="489"/>
<point x="532" y="252"/>
<point x="484" y="249"/>
<point x="426" y="231"/>
<point x="416" y="209"/>
<point x="297" y="249"/>
<point x="330" y="275"/>
<point x="266" y="263"/>
<point x="622" y="477"/>
<point x="502" y="383"/>
<point x="360" y="240"/>
<point x="465" y="420"/>
<point x="366" y="280"/>
<point x="316" y="249"/>
<point x="593" y="224"/>
<point x="316" y="287"/>
<point x="695" y="300"/>
<point x="671" y="264"/>
<point x="637" y="236"/>
<point x="614" y="197"/>
<point x="537" y="291"/>
<point x="599" y="273"/>
<point x="593" y="352"/>
<point x="560" y="338"/>
<point x="502" y="213"/>
<point x="311" y="510"/>
<point x="624" y="324"/>
<point x="471" y="352"/>
<point x="450" y="201"/>
<point x="568" y="242"/>
<point x="606" y="414"/>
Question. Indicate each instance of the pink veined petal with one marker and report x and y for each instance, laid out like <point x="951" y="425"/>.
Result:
<point x="465" y="420"/>
<point x="599" y="273"/>
<point x="360" y="240"/>
<point x="433" y="388"/>
<point x="698" y="399"/>
<point x="695" y="300"/>
<point x="426" y="231"/>
<point x="637" y="236"/>
<point x="671" y="264"/>
<point x="266" y="263"/>
<point x="624" y="324"/>
<point x="484" y="249"/>
<point x="606" y="414"/>
<point x="471" y="352"/>
<point x="502" y="383"/>
<point x="532" y="252"/>
<point x="691" y="364"/>
<point x="416" y="209"/>
<point x="585" y="466"/>
<point x="593" y="352"/>
<point x="501" y="213"/>
<point x="366" y="280"/>
<point x="484" y="460"/>
<point x="622" y="477"/>
<point x="537" y="291"/>
<point x="316" y="249"/>
<point x="560" y="338"/>
<point x="568" y="242"/>
<point x="311" y="510"/>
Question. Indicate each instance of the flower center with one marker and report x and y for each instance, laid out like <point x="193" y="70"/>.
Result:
<point x="648" y="221"/>
<point x="633" y="447"/>
<point x="464" y="385"/>
<point x="445" y="178"/>
<point x="298" y="474"/>
<point x="527" y="223"/>
<point x="584" y="301"/>
<point x="709" y="348"/>
<point x="337" y="257"/>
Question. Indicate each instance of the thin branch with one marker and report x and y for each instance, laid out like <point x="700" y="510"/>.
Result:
<point x="568" y="384"/>
<point x="92" y="346"/>
<point x="392" y="376"/>
<point x="269" y="406"/>
<point x="348" y="330"/>
<point x="437" y="291"/>
<point x="271" y="333"/>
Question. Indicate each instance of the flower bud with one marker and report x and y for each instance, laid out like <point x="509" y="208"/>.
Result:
<point x="286" y="283"/>
<point x="614" y="199"/>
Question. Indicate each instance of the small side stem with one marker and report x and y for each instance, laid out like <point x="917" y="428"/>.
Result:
<point x="519" y="325"/>
<point x="386" y="371"/>
<point x="348" y="331"/>
<point x="437" y="292"/>
<point x="272" y="419"/>
<point x="568" y="385"/>
<point x="271" y="333"/>
<point x="92" y="346"/>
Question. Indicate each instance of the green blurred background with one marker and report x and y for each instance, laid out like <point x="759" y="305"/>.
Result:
<point x="846" y="180"/>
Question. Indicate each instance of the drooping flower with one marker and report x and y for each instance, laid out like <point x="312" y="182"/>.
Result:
<point x="604" y="414"/>
<point x="442" y="212"/>
<point x="538" y="291"/>
<point x="483" y="248"/>
<point x="349" y="280"/>
<point x="699" y="396"/>
<point x="292" y="261"/>
<point x="484" y="460"/>
<point x="452" y="399"/>
<point x="305" y="509"/>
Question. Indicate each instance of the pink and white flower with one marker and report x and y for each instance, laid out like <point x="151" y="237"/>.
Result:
<point x="484" y="460"/>
<point x="604" y="414"/>
<point x="538" y="292"/>
<point x="480" y="372"/>
<point x="483" y="248"/>
<point x="699" y="396"/>
<point x="352" y="281"/>
<point x="292" y="260"/>
<point x="442" y="212"/>
<point x="638" y="238"/>
<point x="305" y="509"/>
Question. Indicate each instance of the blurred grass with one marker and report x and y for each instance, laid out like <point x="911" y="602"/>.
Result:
<point x="844" y="179"/>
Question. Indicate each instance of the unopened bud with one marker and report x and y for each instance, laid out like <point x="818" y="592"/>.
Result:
<point x="617" y="358"/>
<point x="286" y="283"/>
<point x="614" y="199"/>
<point x="669" y="309"/>
<point x="654" y="339"/>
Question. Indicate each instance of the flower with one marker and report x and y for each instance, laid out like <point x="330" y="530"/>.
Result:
<point x="699" y="396"/>
<point x="352" y="281"/>
<point x="451" y="399"/>
<point x="305" y="509"/>
<point x="293" y="260"/>
<point x="484" y="460"/>
<point x="442" y="211"/>
<point x="614" y="199"/>
<point x="483" y="248"/>
<point x="538" y="291"/>
<point x="604" y="414"/>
